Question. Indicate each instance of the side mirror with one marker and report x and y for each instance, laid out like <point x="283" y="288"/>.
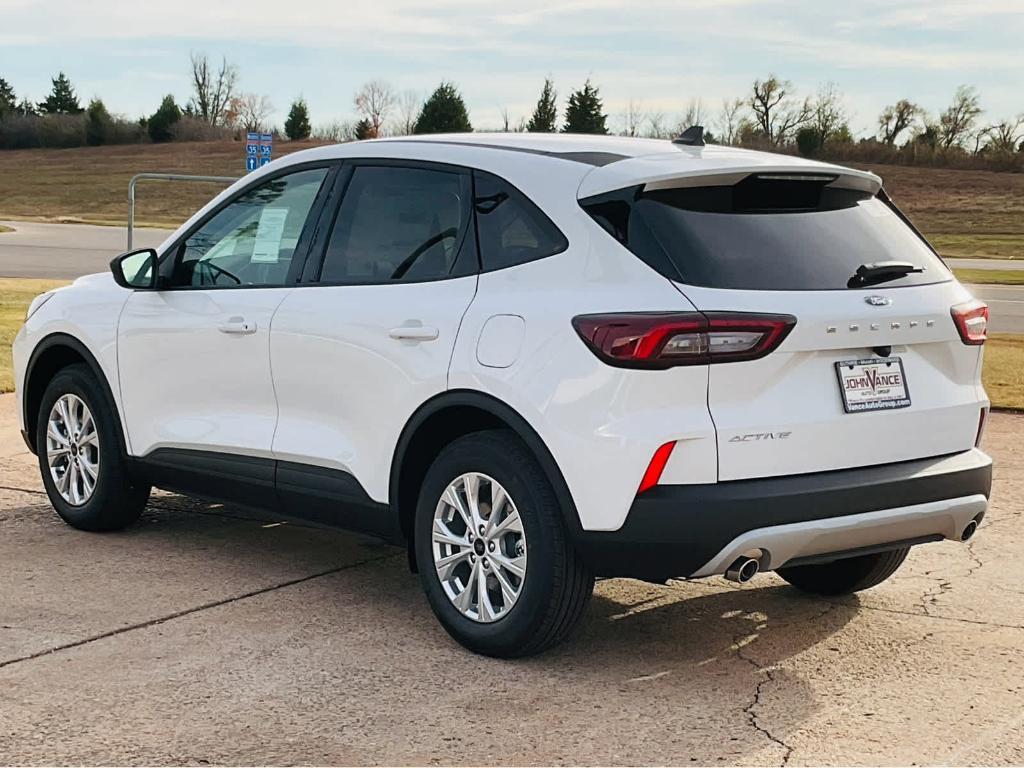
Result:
<point x="136" y="269"/>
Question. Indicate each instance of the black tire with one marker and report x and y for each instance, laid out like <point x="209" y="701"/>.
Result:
<point x="116" y="501"/>
<point x="557" y="585"/>
<point x="843" y="577"/>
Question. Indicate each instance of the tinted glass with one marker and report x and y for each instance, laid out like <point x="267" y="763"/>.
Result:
<point x="511" y="229"/>
<point x="397" y="224"/>
<point x="251" y="241"/>
<point x="721" y="237"/>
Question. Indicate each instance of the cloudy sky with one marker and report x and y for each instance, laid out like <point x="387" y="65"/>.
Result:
<point x="659" y="53"/>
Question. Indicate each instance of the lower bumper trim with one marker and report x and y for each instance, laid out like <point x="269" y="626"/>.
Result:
<point x="681" y="530"/>
<point x="783" y="544"/>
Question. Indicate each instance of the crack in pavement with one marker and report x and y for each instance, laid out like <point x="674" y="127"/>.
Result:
<point x="195" y="609"/>
<point x="768" y="676"/>
<point x="937" y="616"/>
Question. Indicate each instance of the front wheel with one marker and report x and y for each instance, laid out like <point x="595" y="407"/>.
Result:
<point x="843" y="577"/>
<point x="494" y="557"/>
<point x="80" y="455"/>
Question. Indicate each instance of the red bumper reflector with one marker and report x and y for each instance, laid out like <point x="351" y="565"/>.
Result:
<point x="656" y="467"/>
<point x="981" y="427"/>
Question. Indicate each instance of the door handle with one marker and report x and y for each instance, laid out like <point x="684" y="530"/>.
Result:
<point x="238" y="326"/>
<point x="414" y="333"/>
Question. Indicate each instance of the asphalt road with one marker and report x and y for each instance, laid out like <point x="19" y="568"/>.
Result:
<point x="1010" y="264"/>
<point x="67" y="251"/>
<point x="204" y="635"/>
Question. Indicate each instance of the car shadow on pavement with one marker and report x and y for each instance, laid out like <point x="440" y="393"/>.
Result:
<point x="666" y="665"/>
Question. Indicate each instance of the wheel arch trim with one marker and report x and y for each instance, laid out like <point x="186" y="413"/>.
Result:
<point x="30" y="396"/>
<point x="504" y="413"/>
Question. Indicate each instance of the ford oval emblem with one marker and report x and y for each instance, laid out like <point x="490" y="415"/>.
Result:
<point x="878" y="301"/>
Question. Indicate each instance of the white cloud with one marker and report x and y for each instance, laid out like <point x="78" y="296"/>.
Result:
<point x="659" y="52"/>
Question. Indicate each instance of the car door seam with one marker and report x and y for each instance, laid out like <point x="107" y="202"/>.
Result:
<point x="458" y="332"/>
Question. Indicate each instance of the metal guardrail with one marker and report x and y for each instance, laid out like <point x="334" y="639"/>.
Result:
<point x="164" y="177"/>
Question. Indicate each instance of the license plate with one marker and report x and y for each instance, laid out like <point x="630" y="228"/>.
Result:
<point x="873" y="384"/>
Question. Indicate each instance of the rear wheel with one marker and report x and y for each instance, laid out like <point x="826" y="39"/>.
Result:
<point x="842" y="577"/>
<point x="494" y="557"/>
<point x="80" y="455"/>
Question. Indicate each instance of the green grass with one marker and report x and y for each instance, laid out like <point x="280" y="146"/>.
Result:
<point x="979" y="246"/>
<point x="1004" y="352"/>
<point x="15" y="295"/>
<point x="1004" y="370"/>
<point x="5" y="229"/>
<point x="990" y="276"/>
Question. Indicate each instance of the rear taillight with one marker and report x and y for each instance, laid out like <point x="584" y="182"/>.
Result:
<point x="971" y="320"/>
<point x="663" y="340"/>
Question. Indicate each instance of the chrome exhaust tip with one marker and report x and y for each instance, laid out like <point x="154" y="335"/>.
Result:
<point x="969" y="530"/>
<point x="743" y="570"/>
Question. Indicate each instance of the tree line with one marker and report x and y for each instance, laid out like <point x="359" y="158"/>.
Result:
<point x="771" y="115"/>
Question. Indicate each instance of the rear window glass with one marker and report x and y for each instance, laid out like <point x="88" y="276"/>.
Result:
<point x="765" y="236"/>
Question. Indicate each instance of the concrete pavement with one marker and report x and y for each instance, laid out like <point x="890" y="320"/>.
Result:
<point x="206" y="635"/>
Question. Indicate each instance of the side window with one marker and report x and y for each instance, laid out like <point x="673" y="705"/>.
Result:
<point x="398" y="224"/>
<point x="253" y="239"/>
<point x="511" y="229"/>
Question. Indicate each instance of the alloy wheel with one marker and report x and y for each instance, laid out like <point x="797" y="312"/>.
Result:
<point x="479" y="547"/>
<point x="73" y="449"/>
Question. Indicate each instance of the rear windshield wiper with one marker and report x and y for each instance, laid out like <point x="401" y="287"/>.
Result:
<point x="881" y="272"/>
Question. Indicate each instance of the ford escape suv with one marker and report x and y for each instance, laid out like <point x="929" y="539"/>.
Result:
<point x="536" y="360"/>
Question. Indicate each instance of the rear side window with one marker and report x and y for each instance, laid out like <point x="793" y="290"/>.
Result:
<point x="511" y="229"/>
<point x="398" y="224"/>
<point x="763" y="235"/>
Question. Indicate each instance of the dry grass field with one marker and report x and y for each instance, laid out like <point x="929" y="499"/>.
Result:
<point x="91" y="184"/>
<point x="964" y="213"/>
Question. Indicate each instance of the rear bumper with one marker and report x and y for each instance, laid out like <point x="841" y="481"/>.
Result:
<point x="699" y="530"/>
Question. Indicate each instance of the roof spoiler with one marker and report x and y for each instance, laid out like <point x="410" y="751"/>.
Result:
<point x="691" y="137"/>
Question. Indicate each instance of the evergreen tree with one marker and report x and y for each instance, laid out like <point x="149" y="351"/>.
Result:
<point x="8" y="101"/>
<point x="297" y="126"/>
<point x="545" y="115"/>
<point x="444" y="112"/>
<point x="583" y="114"/>
<point x="62" y="99"/>
<point x="162" y="121"/>
<point x="363" y="130"/>
<point x="98" y="124"/>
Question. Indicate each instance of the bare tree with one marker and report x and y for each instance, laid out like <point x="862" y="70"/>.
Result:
<point x="776" y="111"/>
<point x="656" y="126"/>
<point x="249" y="112"/>
<point x="897" y="118"/>
<point x="729" y="120"/>
<point x="407" y="104"/>
<point x="336" y="131"/>
<point x="1005" y="137"/>
<point x="212" y="91"/>
<point x="829" y="117"/>
<point x="374" y="101"/>
<point x="692" y="115"/>
<point x="957" y="121"/>
<point x="632" y="118"/>
<point x="506" y="121"/>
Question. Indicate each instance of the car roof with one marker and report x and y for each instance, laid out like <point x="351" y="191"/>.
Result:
<point x="623" y="161"/>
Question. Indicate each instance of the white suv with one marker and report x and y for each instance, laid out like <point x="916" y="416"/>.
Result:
<point x="535" y="359"/>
